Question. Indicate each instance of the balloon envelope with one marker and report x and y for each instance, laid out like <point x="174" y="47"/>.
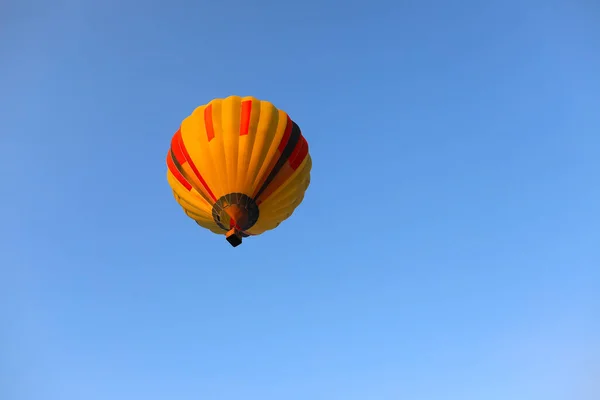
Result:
<point x="238" y="166"/>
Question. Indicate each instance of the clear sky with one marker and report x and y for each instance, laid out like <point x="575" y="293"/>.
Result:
<point x="448" y="247"/>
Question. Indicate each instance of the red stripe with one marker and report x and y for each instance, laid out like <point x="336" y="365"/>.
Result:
<point x="286" y="134"/>
<point x="245" y="118"/>
<point x="181" y="146"/>
<point x="180" y="178"/>
<point x="299" y="153"/>
<point x="179" y="157"/>
<point x="208" y="122"/>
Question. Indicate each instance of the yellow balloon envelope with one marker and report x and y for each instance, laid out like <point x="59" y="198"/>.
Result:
<point x="238" y="166"/>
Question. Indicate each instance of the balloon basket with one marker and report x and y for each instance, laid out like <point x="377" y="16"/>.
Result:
<point x="234" y="237"/>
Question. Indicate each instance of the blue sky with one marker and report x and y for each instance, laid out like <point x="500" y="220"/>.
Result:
<point x="447" y="248"/>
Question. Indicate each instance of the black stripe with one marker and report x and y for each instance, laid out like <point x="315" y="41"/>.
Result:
<point x="285" y="155"/>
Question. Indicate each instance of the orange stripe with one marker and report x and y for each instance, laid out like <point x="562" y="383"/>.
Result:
<point x="176" y="173"/>
<point x="179" y="144"/>
<point x="283" y="175"/>
<point x="245" y="119"/>
<point x="299" y="153"/>
<point x="208" y="122"/>
<point x="297" y="156"/>
<point x="286" y="134"/>
<point x="288" y="145"/>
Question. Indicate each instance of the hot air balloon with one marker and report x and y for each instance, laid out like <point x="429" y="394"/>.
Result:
<point x="238" y="166"/>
